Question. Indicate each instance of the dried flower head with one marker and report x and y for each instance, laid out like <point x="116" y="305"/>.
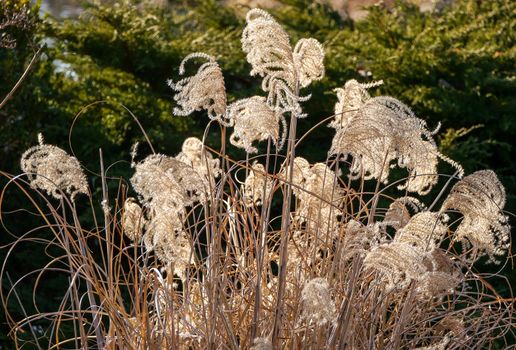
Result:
<point x="350" y="99"/>
<point x="480" y="198"/>
<point x="424" y="231"/>
<point x="300" y="174"/>
<point x="438" y="283"/>
<point x="256" y="187"/>
<point x="401" y="262"/>
<point x="254" y="120"/>
<point x="398" y="264"/>
<point x="308" y="60"/>
<point x="133" y="220"/>
<point x="166" y="237"/>
<point x="359" y="239"/>
<point x="441" y="345"/>
<point x="269" y="52"/>
<point x="195" y="155"/>
<point x="318" y="306"/>
<point x="323" y="182"/>
<point x="319" y="194"/>
<point x="304" y="253"/>
<point x="163" y="181"/>
<point x="383" y="130"/>
<point x="442" y="276"/>
<point x="167" y="185"/>
<point x="453" y="324"/>
<point x="319" y="199"/>
<point x="398" y="215"/>
<point x="204" y="90"/>
<point x="51" y="169"/>
<point x="261" y="344"/>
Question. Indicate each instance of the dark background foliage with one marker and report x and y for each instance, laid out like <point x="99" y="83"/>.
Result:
<point x="455" y="66"/>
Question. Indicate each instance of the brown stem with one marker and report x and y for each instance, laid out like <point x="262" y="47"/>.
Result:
<point x="22" y="78"/>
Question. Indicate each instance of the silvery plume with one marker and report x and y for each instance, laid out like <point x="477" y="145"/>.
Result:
<point x="359" y="239"/>
<point x="165" y="181"/>
<point x="300" y="174"/>
<point x="424" y="230"/>
<point x="414" y="256"/>
<point x="256" y="187"/>
<point x="204" y="90"/>
<point x="384" y="130"/>
<point x="195" y="155"/>
<point x="133" y="220"/>
<point x="284" y="70"/>
<point x="317" y="304"/>
<point x="51" y="169"/>
<point x="350" y="99"/>
<point x="254" y="120"/>
<point x="398" y="214"/>
<point x="166" y="237"/>
<point x="480" y="198"/>
<point x="319" y="199"/>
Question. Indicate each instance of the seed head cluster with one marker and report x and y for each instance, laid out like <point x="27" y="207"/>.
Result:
<point x="166" y="186"/>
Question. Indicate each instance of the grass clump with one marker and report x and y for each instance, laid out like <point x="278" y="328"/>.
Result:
<point x="270" y="251"/>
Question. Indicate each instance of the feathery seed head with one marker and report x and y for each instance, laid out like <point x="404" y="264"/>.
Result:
<point x="284" y="71"/>
<point x="359" y="239"/>
<point x="442" y="276"/>
<point x="453" y="324"/>
<point x="401" y="263"/>
<point x="268" y="49"/>
<point x="424" y="231"/>
<point x="164" y="181"/>
<point x="318" y="306"/>
<point x="202" y="161"/>
<point x="261" y="344"/>
<point x="319" y="199"/>
<point x="316" y="186"/>
<point x="480" y="198"/>
<point x="133" y="220"/>
<point x="350" y="99"/>
<point x="204" y="90"/>
<point x="398" y="264"/>
<point x="438" y="283"/>
<point x="256" y="187"/>
<point x="254" y="120"/>
<point x="441" y="345"/>
<point x="165" y="236"/>
<point x="383" y="130"/>
<point x="300" y="174"/>
<point x="397" y="215"/>
<point x="308" y="59"/>
<point x="51" y="169"/>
